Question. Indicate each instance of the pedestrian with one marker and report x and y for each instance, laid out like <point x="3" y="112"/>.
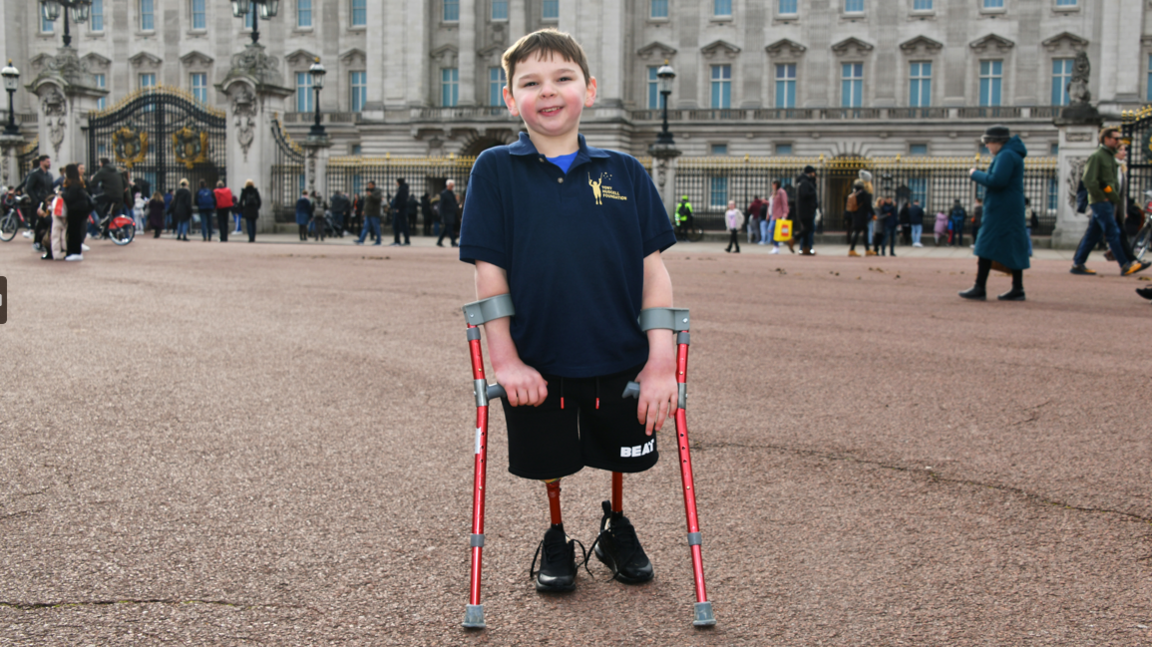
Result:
<point x="319" y="217"/>
<point x="426" y="213"/>
<point x="807" y="203"/>
<point x="413" y="211"/>
<point x="156" y="213"/>
<point x="77" y="206"/>
<point x="206" y="202"/>
<point x="754" y="210"/>
<point x="1004" y="239"/>
<point x="54" y="209"/>
<point x="940" y="228"/>
<point x="916" y="222"/>
<point x="250" y="207"/>
<point x="1101" y="180"/>
<point x="138" y="204"/>
<point x="224" y="203"/>
<point x="400" y="214"/>
<point x="860" y="211"/>
<point x="181" y="209"/>
<point x="303" y="215"/>
<point x="448" y="209"/>
<point x="357" y="214"/>
<point x="108" y="186"/>
<point x="887" y="224"/>
<point x="777" y="211"/>
<point x="683" y="218"/>
<point x="904" y="217"/>
<point x="237" y="213"/>
<point x="956" y="220"/>
<point x="37" y="186"/>
<point x="732" y="219"/>
<point x="169" y="221"/>
<point x="1031" y="222"/>
<point x="576" y="278"/>
<point x="978" y="219"/>
<point x="373" y="206"/>
<point x="339" y="205"/>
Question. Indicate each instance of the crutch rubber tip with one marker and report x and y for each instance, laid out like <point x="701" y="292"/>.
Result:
<point x="474" y="616"/>
<point x="704" y="617"/>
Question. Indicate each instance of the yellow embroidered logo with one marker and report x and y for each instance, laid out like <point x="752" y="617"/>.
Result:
<point x="601" y="190"/>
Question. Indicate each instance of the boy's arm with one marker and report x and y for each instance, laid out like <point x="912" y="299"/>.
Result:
<point x="658" y="378"/>
<point x="521" y="382"/>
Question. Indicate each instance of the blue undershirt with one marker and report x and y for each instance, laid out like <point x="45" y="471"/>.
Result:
<point x="564" y="161"/>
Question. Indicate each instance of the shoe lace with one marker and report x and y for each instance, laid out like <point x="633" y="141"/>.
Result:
<point x="555" y="552"/>
<point x="623" y="537"/>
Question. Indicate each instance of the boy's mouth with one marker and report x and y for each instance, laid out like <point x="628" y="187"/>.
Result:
<point x="548" y="112"/>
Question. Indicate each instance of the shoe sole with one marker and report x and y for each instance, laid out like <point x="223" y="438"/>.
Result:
<point x="552" y="588"/>
<point x="1012" y="299"/>
<point x="984" y="298"/>
<point x="607" y="561"/>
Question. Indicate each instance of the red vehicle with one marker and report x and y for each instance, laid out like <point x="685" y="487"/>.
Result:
<point x="18" y="212"/>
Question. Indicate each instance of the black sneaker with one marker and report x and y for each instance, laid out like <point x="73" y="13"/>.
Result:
<point x="620" y="550"/>
<point x="1145" y="292"/>
<point x="557" y="555"/>
<point x="1012" y="295"/>
<point x="977" y="293"/>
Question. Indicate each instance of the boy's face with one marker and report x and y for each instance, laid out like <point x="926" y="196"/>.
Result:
<point x="549" y="93"/>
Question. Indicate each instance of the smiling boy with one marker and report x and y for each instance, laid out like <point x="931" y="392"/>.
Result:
<point x="573" y="234"/>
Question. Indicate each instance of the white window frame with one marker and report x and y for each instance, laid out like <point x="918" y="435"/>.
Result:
<point x="304" y="93"/>
<point x="919" y="78"/>
<point x="149" y="15"/>
<point x="96" y="15"/>
<point x="652" y="6"/>
<point x="201" y="90"/>
<point x="444" y="13"/>
<point x="203" y="13"/>
<point x="496" y="83"/>
<point x="303" y="14"/>
<point x="780" y="9"/>
<point x="357" y="92"/>
<point x="449" y="87"/>
<point x="787" y="81"/>
<point x="498" y="4"/>
<point x="992" y="78"/>
<point x="545" y="5"/>
<point x="149" y="76"/>
<point x="1065" y="76"/>
<point x="857" y="86"/>
<point x="720" y="83"/>
<point x="719" y="6"/>
<point x="849" y="9"/>
<point x="101" y="82"/>
<point x="353" y="9"/>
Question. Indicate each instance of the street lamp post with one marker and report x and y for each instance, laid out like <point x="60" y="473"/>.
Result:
<point x="266" y="9"/>
<point x="11" y="82"/>
<point x="317" y="73"/>
<point x="665" y="75"/>
<point x="77" y="9"/>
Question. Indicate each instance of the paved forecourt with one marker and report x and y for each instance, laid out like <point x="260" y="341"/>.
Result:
<point x="243" y="443"/>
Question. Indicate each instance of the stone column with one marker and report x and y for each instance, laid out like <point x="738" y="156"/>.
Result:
<point x="9" y="167"/>
<point x="1077" y="141"/>
<point x="317" y="151"/>
<point x="255" y="91"/>
<point x="67" y="93"/>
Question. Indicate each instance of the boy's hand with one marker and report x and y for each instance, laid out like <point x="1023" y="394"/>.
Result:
<point x="657" y="393"/>
<point x="522" y="383"/>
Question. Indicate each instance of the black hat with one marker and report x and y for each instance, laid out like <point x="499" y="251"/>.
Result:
<point x="996" y="133"/>
<point x="809" y="169"/>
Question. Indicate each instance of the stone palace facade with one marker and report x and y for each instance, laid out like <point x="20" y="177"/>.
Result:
<point x="771" y="77"/>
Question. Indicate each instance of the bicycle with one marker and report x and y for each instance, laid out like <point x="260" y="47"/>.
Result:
<point x="120" y="229"/>
<point x="14" y="219"/>
<point x="689" y="231"/>
<point x="1143" y="237"/>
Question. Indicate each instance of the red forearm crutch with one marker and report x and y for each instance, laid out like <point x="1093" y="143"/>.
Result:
<point x="676" y="320"/>
<point x="476" y="314"/>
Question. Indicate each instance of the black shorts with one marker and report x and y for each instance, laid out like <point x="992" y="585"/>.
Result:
<point x="547" y="442"/>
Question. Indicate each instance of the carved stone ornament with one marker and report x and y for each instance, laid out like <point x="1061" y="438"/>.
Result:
<point x="852" y="46"/>
<point x="244" y="114"/>
<point x="1065" y="41"/>
<point x="992" y="44"/>
<point x="254" y="63"/>
<point x="1072" y="181"/>
<point x="53" y="102"/>
<point x="719" y="48"/>
<point x="656" y="50"/>
<point x="1078" y="88"/>
<point x="921" y="46"/>
<point x="68" y="66"/>
<point x="56" y="128"/>
<point x="789" y="48"/>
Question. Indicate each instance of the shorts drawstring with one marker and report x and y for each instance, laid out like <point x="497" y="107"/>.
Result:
<point x="561" y="393"/>
<point x="597" y="392"/>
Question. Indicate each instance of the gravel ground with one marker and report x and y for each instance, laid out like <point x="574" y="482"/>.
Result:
<point x="242" y="444"/>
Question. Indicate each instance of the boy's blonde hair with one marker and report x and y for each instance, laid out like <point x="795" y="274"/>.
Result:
<point x="545" y="41"/>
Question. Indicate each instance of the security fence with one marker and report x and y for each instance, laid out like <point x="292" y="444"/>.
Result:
<point x="710" y="182"/>
<point x="1137" y="131"/>
<point x="423" y="174"/>
<point x="288" y="178"/>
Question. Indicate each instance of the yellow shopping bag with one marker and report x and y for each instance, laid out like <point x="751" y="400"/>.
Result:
<point x="783" y="231"/>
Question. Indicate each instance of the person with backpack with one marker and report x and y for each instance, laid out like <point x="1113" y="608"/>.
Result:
<point x="206" y="202"/>
<point x="886" y="227"/>
<point x="224" y="203"/>
<point x="303" y="215"/>
<point x="807" y="203"/>
<point x="859" y="212"/>
<point x="956" y="220"/>
<point x="916" y="221"/>
<point x="683" y="218"/>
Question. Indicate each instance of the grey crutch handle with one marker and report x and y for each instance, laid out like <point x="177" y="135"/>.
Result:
<point x="674" y="319"/>
<point x="495" y="391"/>
<point x="485" y="310"/>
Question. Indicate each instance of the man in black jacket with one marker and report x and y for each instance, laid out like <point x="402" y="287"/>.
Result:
<point x="806" y="203"/>
<point x="339" y="206"/>
<point x="37" y="186"/>
<point x="448" y="208"/>
<point x="107" y="181"/>
<point x="400" y="214"/>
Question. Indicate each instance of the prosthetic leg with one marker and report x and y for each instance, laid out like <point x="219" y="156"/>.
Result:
<point x="476" y="314"/>
<point x="676" y="319"/>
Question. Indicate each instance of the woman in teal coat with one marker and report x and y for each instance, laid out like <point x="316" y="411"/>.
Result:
<point x="1003" y="237"/>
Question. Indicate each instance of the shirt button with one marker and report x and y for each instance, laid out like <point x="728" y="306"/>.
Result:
<point x="560" y="180"/>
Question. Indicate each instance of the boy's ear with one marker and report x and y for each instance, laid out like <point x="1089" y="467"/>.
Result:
<point x="590" y="98"/>
<point x="509" y="101"/>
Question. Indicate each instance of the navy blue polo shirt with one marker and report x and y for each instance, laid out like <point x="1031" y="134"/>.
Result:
<point x="573" y="244"/>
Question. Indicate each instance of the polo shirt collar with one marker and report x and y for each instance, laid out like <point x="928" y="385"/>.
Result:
<point x="525" y="147"/>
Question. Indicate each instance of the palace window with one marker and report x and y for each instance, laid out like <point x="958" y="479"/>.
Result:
<point x="653" y="88"/>
<point x="784" y="149"/>
<point x="991" y="76"/>
<point x="853" y="6"/>
<point x="449" y="87"/>
<point x="1061" y="76"/>
<point x="199" y="83"/>
<point x="199" y="15"/>
<point x="851" y="85"/>
<point x="303" y="92"/>
<point x="96" y="15"/>
<point x="721" y="86"/>
<point x="358" y="85"/>
<point x="659" y="9"/>
<point x="451" y="10"/>
<point x="920" y="84"/>
<point x="359" y="13"/>
<point x="786" y="85"/>
<point x="496" y="83"/>
<point x="303" y="13"/>
<point x="786" y="8"/>
<point x="550" y="10"/>
<point x="722" y="8"/>
<point x="100" y="83"/>
<point x="147" y="15"/>
<point x="922" y="5"/>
